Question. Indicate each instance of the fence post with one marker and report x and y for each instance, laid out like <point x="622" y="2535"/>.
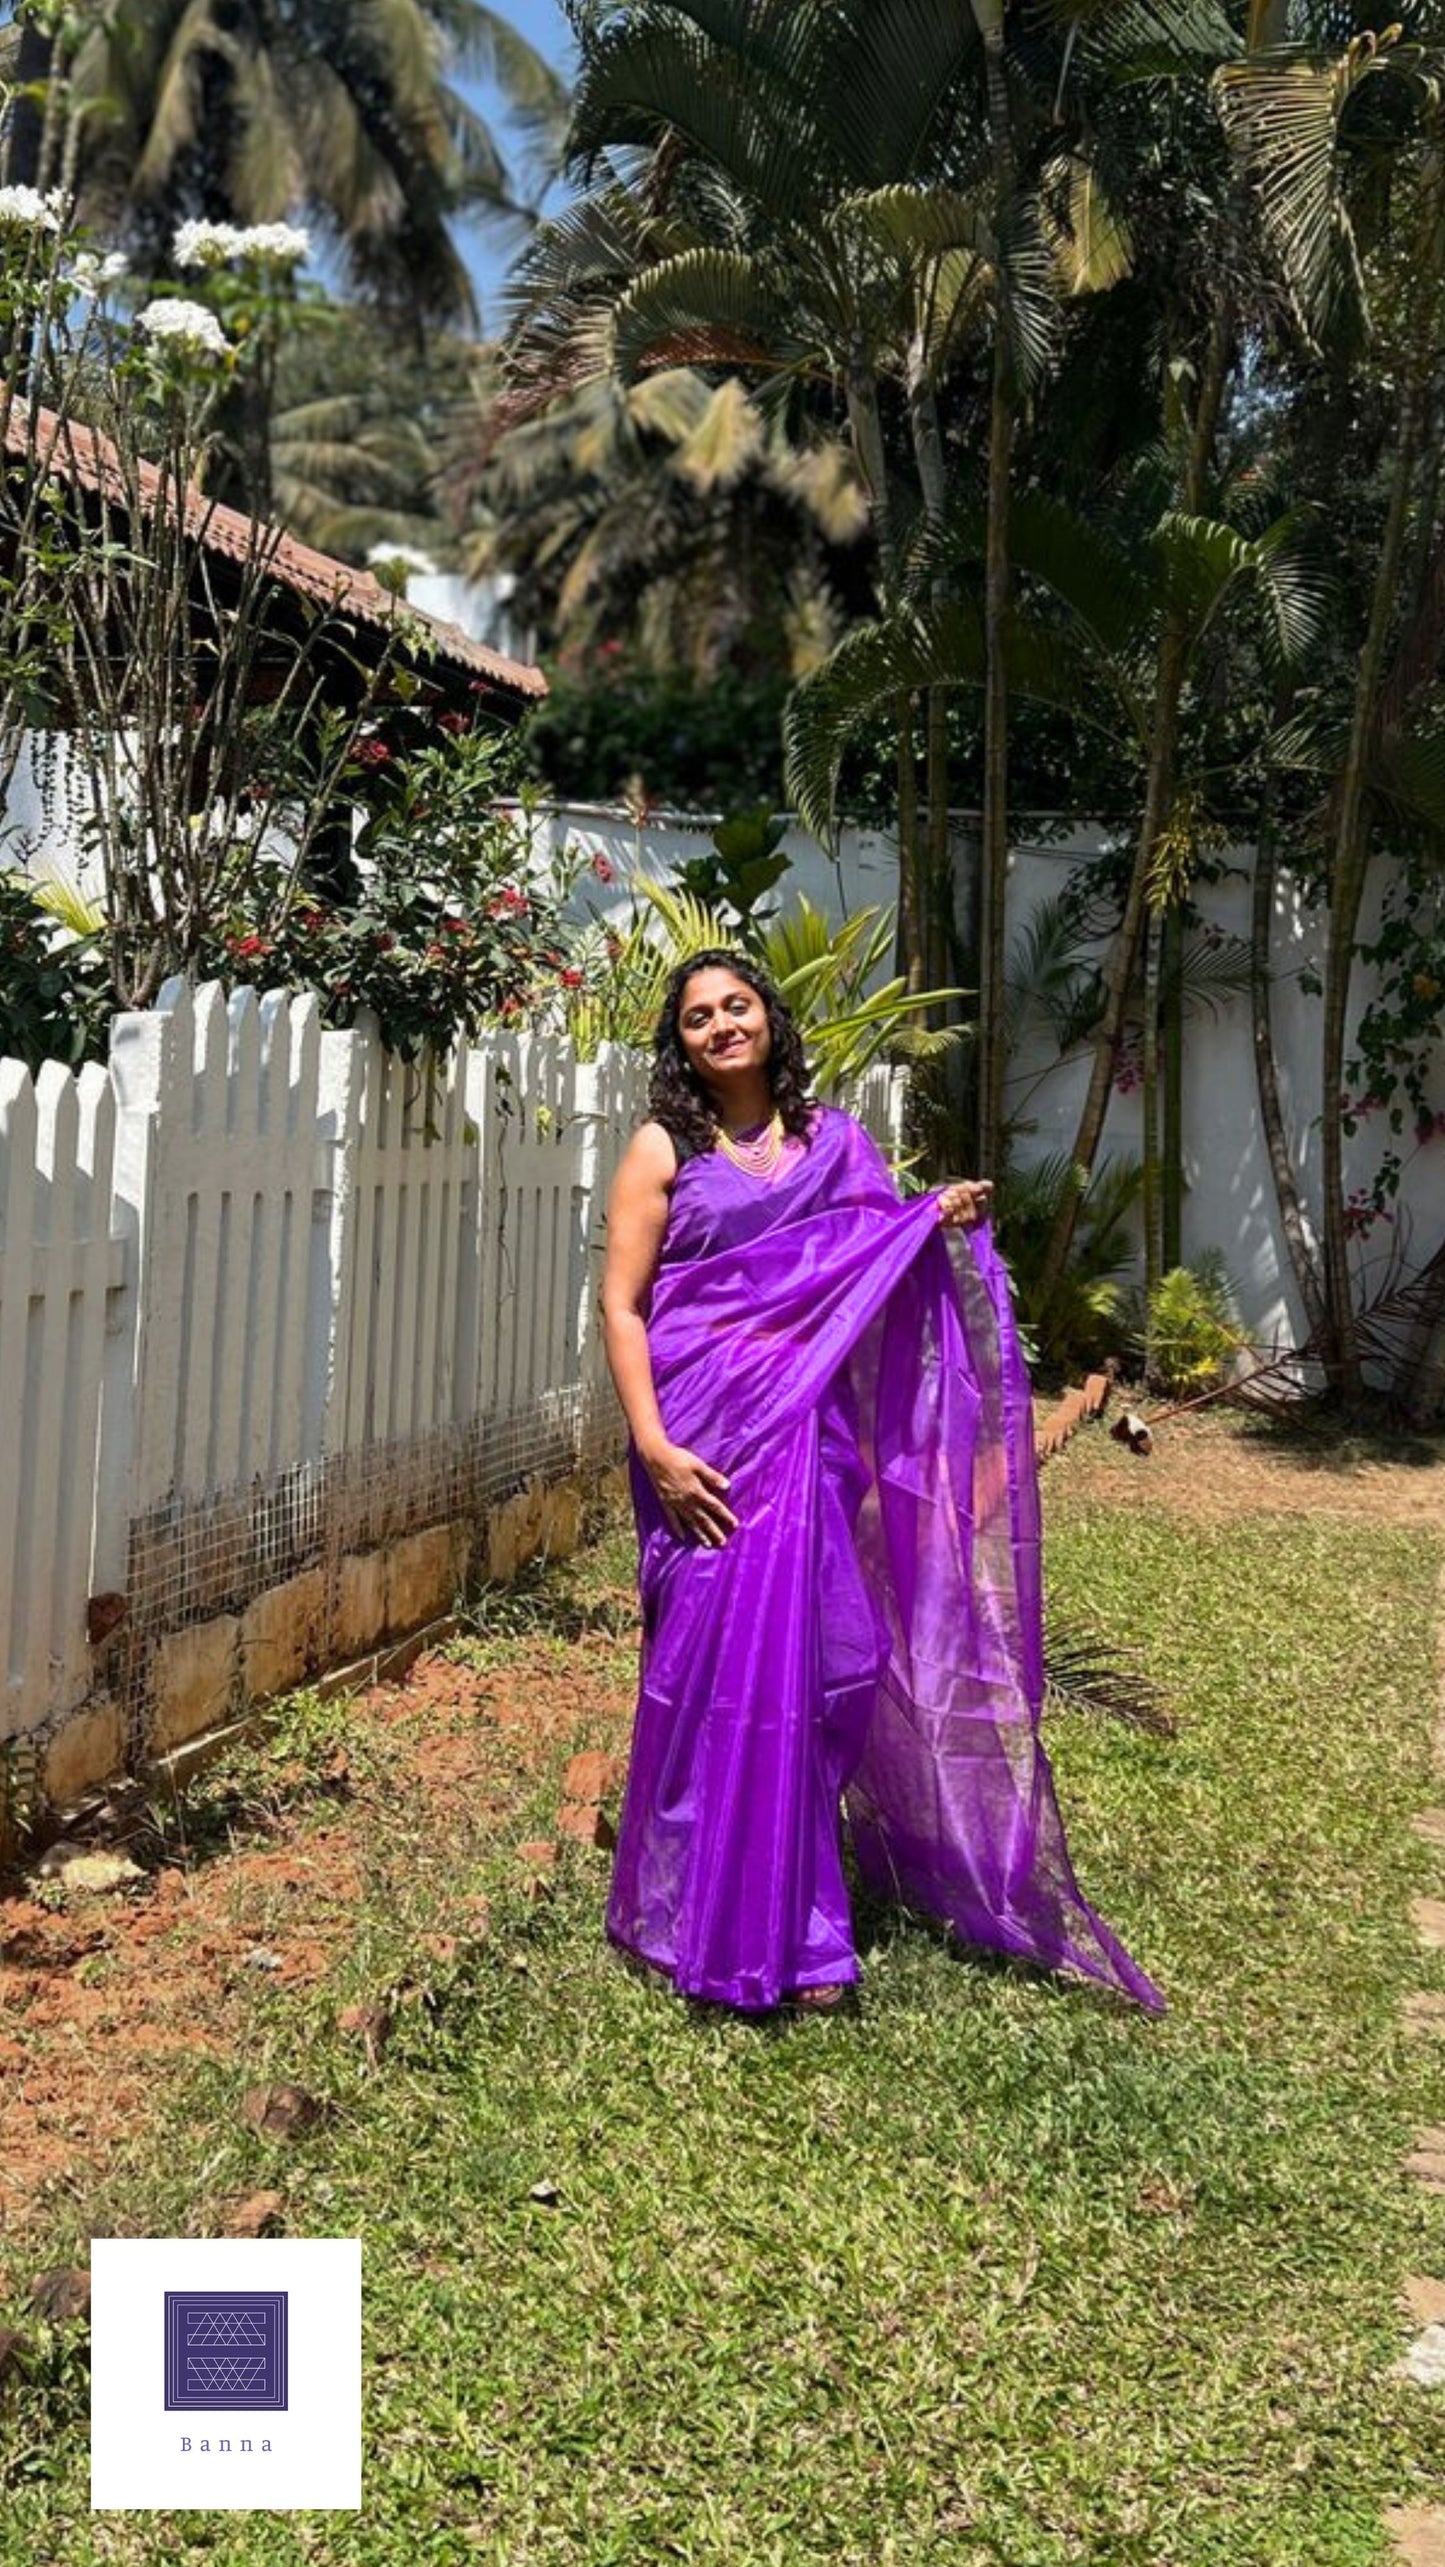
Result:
<point x="138" y="1383"/>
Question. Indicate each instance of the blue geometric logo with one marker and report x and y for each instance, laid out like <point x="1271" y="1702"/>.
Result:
<point x="225" y="2350"/>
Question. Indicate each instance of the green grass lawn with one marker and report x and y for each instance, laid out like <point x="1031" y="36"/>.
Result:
<point x="998" y="2273"/>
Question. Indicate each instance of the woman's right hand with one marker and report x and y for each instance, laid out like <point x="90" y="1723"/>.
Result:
<point x="691" y="1492"/>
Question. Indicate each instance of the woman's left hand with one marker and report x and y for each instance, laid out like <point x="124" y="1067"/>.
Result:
<point x="963" y="1205"/>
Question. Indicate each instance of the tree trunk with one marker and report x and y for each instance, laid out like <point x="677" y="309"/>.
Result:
<point x="993" y="956"/>
<point x="1268" y="25"/>
<point x="1150" y="1202"/>
<point x="909" y="941"/>
<point x="1351" y="863"/>
<point x="867" y="431"/>
<point x="24" y="143"/>
<point x="1171" y="670"/>
<point x="992" y="1066"/>
<point x="936" y="862"/>
<point x="1171" y="1169"/>
<point x="932" y="471"/>
<point x="1301" y="1254"/>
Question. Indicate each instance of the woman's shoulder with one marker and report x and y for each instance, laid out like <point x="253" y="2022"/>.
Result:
<point x="660" y="1151"/>
<point x="652" y="1140"/>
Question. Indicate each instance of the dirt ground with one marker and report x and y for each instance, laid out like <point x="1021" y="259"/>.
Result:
<point x="1215" y="1464"/>
<point x="95" y="1994"/>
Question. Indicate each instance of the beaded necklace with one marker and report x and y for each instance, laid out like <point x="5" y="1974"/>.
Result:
<point x="757" y="1152"/>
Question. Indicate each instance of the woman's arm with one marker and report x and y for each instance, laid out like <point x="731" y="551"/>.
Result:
<point x="690" y="1489"/>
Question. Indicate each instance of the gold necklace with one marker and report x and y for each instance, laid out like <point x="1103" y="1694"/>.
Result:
<point x="758" y="1157"/>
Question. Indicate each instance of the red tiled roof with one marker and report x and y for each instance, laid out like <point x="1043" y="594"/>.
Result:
<point x="89" y="460"/>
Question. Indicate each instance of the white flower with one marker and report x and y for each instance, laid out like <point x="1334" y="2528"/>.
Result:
<point x="26" y="205"/>
<point x="216" y="244"/>
<point x="90" y="274"/>
<point x="189" y="322"/>
<point x="286" y="244"/>
<point x="204" y="244"/>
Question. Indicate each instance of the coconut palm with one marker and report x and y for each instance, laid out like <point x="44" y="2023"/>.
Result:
<point x="669" y="511"/>
<point x="349" y="116"/>
<point x="356" y="432"/>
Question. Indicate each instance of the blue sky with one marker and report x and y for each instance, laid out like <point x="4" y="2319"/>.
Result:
<point x="489" y="248"/>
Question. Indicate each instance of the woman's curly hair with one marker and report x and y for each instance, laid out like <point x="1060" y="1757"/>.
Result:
<point x="677" y="1098"/>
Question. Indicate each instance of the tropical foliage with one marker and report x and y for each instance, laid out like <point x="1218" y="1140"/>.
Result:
<point x="233" y="111"/>
<point x="1133" y="321"/>
<point x="617" y="978"/>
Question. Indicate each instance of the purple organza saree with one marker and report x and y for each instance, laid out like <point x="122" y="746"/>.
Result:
<point x="871" y="1633"/>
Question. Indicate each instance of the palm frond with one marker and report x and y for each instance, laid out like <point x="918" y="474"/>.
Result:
<point x="707" y="305"/>
<point x="1084" y="1671"/>
<point x="1285" y="116"/>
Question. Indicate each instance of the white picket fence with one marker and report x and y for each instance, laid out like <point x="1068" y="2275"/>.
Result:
<point x="266" y="1290"/>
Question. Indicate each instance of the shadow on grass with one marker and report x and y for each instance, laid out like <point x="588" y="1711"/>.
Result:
<point x="1318" y="1438"/>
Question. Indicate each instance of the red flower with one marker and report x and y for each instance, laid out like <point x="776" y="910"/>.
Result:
<point x="508" y="901"/>
<point x="603" y="868"/>
<point x="370" y="753"/>
<point x="571" y="978"/>
<point x="456" y="723"/>
<point x="243" y="947"/>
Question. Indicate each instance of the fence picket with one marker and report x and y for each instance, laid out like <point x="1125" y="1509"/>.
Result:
<point x="248" y="1253"/>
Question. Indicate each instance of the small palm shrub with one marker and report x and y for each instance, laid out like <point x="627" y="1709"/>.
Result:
<point x="826" y="973"/>
<point x="1189" y="1334"/>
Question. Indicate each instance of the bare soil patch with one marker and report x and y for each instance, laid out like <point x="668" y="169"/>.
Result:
<point x="98" y="1994"/>
<point x="1218" y="1463"/>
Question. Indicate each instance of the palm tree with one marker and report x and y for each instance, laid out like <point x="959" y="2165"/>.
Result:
<point x="748" y="243"/>
<point x="356" y="431"/>
<point x="864" y="199"/>
<point x="1110" y="629"/>
<point x="348" y="116"/>
<point x="669" y="512"/>
<point x="1297" y="118"/>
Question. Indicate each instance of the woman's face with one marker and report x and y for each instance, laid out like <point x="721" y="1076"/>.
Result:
<point x="723" y="1026"/>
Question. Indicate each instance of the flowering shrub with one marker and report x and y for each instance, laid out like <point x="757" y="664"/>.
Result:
<point x="193" y="323"/>
<point x="431" y="930"/>
<point x="214" y="749"/>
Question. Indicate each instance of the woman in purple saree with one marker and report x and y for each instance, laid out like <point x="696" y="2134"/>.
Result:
<point x="837" y="1509"/>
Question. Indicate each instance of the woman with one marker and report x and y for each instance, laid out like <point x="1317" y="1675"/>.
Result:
<point x="833" y="1473"/>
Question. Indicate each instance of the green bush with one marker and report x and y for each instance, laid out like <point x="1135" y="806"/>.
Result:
<point x="55" y="993"/>
<point x="1189" y="1333"/>
<point x="423" y="921"/>
<point x="696" y="744"/>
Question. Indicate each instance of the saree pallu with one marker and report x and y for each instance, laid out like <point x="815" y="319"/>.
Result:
<point x="870" y="1637"/>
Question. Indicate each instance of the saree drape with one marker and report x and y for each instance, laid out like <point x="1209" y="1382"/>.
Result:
<point x="871" y="1635"/>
